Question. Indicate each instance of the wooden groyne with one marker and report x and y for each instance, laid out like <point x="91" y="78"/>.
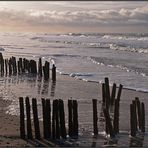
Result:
<point x="19" y="66"/>
<point x="53" y="120"/>
<point x="55" y="127"/>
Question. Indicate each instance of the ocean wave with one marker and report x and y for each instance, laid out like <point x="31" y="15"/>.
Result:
<point x="126" y="37"/>
<point x="99" y="61"/>
<point x="124" y="47"/>
<point x="98" y="45"/>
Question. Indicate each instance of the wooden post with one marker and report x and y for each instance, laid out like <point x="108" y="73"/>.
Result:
<point x="46" y="70"/>
<point x="142" y="117"/>
<point x="103" y="93"/>
<point x="53" y="73"/>
<point x="48" y="118"/>
<point x="2" y="64"/>
<point x="53" y="120"/>
<point x="57" y="119"/>
<point x="132" y="125"/>
<point x="107" y="90"/>
<point x="119" y="92"/>
<point x="75" y="118"/>
<point x="10" y="68"/>
<point x="27" y="66"/>
<point x="6" y="65"/>
<point x="70" y="117"/>
<point x="135" y="115"/>
<point x="29" y="129"/>
<point x="33" y="67"/>
<point x="35" y="118"/>
<point x="14" y="65"/>
<point x="116" y="117"/>
<point x="95" y="116"/>
<point x="113" y="95"/>
<point x="21" y="65"/>
<point x="18" y="67"/>
<point x="62" y="119"/>
<point x="22" y="123"/>
<point x="108" y="123"/>
<point x="138" y="111"/>
<point x="40" y="67"/>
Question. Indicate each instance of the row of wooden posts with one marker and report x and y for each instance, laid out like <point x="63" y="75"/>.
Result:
<point x="56" y="129"/>
<point x="51" y="130"/>
<point x="112" y="101"/>
<point x="109" y="100"/>
<point x="13" y="67"/>
<point x="137" y="114"/>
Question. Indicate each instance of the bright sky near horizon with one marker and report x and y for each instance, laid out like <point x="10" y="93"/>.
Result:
<point x="74" y="16"/>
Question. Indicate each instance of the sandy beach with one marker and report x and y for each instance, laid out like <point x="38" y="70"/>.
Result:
<point x="84" y="92"/>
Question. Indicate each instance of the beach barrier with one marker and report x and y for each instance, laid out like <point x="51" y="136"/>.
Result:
<point x="137" y="117"/>
<point x="13" y="67"/>
<point x="111" y="100"/>
<point x="54" y="124"/>
<point x="53" y="121"/>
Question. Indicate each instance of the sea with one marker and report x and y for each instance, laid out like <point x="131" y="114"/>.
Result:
<point x="122" y="57"/>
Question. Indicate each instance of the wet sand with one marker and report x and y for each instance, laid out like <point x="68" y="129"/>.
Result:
<point x="84" y="92"/>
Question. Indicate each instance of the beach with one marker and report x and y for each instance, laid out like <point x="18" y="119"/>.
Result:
<point x="65" y="88"/>
<point x="73" y="74"/>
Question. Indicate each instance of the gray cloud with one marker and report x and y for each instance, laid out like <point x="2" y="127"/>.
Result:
<point x="136" y="16"/>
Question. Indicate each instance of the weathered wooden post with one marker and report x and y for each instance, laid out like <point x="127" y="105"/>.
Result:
<point x="108" y="123"/>
<point x="119" y="91"/>
<point x="138" y="111"/>
<point x="107" y="92"/>
<point x="142" y="117"/>
<point x="46" y="70"/>
<point x="75" y="118"/>
<point x="132" y="124"/>
<point x="18" y="67"/>
<point x="70" y="118"/>
<point x="57" y="119"/>
<point x="22" y="123"/>
<point x="113" y="95"/>
<point x="6" y="65"/>
<point x="10" y="67"/>
<point x="135" y="114"/>
<point x="53" y="120"/>
<point x="53" y="73"/>
<point x="33" y="67"/>
<point x="14" y="65"/>
<point x="29" y="129"/>
<point x="95" y="117"/>
<point x="62" y="119"/>
<point x="2" y="64"/>
<point x="35" y="118"/>
<point x="40" y="67"/>
<point x="103" y="93"/>
<point x="46" y="118"/>
<point x="21" y="65"/>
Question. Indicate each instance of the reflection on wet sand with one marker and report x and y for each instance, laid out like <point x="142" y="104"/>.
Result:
<point x="35" y="83"/>
<point x="53" y="86"/>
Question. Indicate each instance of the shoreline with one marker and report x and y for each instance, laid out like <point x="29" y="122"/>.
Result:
<point x="65" y="88"/>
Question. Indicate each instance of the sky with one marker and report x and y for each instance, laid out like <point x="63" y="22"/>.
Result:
<point x="74" y="16"/>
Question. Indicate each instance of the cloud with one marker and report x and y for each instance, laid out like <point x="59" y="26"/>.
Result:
<point x="108" y="17"/>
